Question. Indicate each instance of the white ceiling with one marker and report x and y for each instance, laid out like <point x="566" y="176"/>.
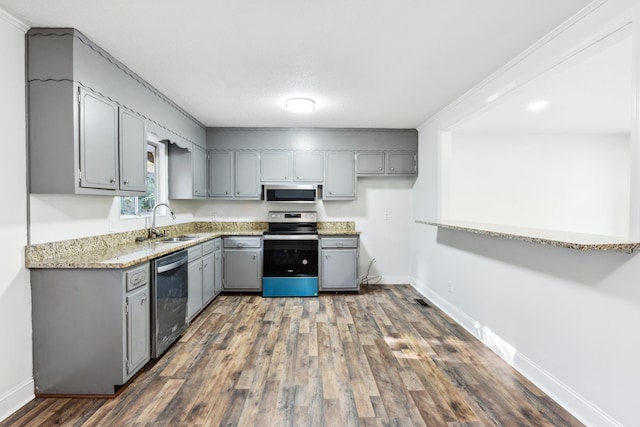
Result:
<point x="367" y="63"/>
<point x="588" y="93"/>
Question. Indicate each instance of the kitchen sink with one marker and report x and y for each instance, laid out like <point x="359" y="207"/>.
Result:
<point x="179" y="239"/>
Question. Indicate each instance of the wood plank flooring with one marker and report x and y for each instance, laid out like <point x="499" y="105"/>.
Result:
<point x="371" y="359"/>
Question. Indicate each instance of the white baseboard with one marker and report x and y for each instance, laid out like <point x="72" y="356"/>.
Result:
<point x="583" y="409"/>
<point x="16" y="398"/>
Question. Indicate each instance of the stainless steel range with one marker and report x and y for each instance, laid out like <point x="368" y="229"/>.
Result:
<point x="290" y="264"/>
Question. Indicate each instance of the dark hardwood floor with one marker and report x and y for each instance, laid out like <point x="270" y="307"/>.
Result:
<point x="372" y="359"/>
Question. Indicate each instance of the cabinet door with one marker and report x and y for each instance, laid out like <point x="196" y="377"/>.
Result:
<point x="133" y="153"/>
<point x="275" y="166"/>
<point x="208" y="278"/>
<point x="199" y="165"/>
<point x="402" y="163"/>
<point x="247" y="183"/>
<point x="370" y="163"/>
<point x="339" y="269"/>
<point x="308" y="166"/>
<point x="194" y="298"/>
<point x="98" y="142"/>
<point x="242" y="270"/>
<point x="340" y="176"/>
<point x="138" y="333"/>
<point x="217" y="272"/>
<point x="221" y="174"/>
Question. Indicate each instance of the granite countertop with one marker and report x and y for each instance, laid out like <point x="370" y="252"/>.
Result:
<point x="570" y="240"/>
<point x="121" y="250"/>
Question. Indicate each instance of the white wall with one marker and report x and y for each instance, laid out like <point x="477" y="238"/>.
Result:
<point x="16" y="382"/>
<point x="567" y="319"/>
<point x="569" y="182"/>
<point x="384" y="240"/>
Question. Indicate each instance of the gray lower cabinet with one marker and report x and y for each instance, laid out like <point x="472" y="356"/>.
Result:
<point x="187" y="172"/>
<point x="340" y="176"/>
<point x="202" y="274"/>
<point x="339" y="263"/>
<point x="91" y="328"/>
<point x="217" y="269"/>
<point x="194" y="298"/>
<point x="242" y="259"/>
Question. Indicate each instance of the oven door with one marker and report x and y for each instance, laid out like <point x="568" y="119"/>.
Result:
<point x="290" y="255"/>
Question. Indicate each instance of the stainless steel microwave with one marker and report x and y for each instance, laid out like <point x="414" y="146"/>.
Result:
<point x="291" y="193"/>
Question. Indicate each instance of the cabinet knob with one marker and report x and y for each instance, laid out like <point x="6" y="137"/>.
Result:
<point x="126" y="182"/>
<point x="392" y="169"/>
<point x="285" y="177"/>
<point x="254" y="257"/>
<point x="142" y="301"/>
<point x="112" y="180"/>
<point x="226" y="192"/>
<point x="379" y="169"/>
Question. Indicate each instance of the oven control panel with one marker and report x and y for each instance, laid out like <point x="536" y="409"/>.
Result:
<point x="292" y="216"/>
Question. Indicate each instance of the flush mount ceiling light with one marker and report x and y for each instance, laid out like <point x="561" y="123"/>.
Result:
<point x="537" y="105"/>
<point x="300" y="105"/>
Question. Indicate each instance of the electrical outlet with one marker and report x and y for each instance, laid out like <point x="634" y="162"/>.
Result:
<point x="386" y="216"/>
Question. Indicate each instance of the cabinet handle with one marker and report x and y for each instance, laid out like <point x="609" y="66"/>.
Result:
<point x="142" y="301"/>
<point x="254" y="256"/>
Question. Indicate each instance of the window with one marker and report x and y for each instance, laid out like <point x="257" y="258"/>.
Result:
<point x="142" y="205"/>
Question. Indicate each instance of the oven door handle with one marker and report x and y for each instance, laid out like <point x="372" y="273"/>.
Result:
<point x="290" y="237"/>
<point x="172" y="266"/>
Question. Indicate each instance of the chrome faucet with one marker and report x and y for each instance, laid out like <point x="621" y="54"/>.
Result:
<point x="153" y="231"/>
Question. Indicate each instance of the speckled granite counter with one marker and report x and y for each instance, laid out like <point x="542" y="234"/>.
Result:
<point x="583" y="242"/>
<point x="120" y="250"/>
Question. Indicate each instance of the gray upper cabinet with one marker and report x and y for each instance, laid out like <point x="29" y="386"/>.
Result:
<point x="221" y="174"/>
<point x="98" y="142"/>
<point x="387" y="163"/>
<point x="133" y="153"/>
<point x="340" y="176"/>
<point x="88" y="118"/>
<point x="187" y="172"/>
<point x="308" y="166"/>
<point x="370" y="163"/>
<point x="234" y="175"/>
<point x="402" y="163"/>
<point x="247" y="181"/>
<point x="275" y="166"/>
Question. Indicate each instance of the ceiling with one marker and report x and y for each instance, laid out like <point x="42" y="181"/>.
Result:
<point x="367" y="63"/>
<point x="588" y="93"/>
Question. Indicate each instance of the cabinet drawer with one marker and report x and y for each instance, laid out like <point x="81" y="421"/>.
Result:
<point x="137" y="277"/>
<point x="242" y="242"/>
<point x="194" y="252"/>
<point x="208" y="247"/>
<point x="339" y="242"/>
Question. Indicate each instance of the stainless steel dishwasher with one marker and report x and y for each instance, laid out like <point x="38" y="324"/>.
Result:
<point x="169" y="291"/>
